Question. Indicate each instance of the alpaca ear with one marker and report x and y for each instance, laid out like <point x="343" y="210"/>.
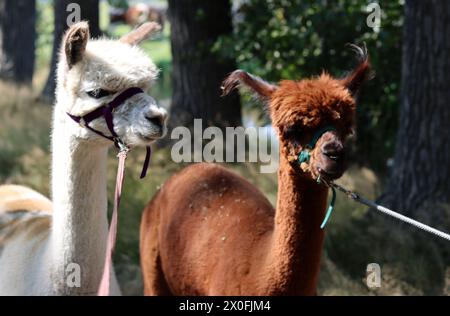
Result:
<point x="75" y="42"/>
<point x="239" y="78"/>
<point x="141" y="33"/>
<point x="361" y="73"/>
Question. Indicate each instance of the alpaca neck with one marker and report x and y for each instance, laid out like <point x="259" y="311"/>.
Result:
<point x="297" y="240"/>
<point x="79" y="229"/>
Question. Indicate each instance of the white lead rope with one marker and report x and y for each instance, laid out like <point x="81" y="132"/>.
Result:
<point x="356" y="197"/>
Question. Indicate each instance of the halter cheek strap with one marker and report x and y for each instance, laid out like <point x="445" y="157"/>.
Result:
<point x="305" y="156"/>
<point x="106" y="111"/>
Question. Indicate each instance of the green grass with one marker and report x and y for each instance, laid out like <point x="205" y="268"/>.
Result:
<point x="159" y="50"/>
<point x="24" y="145"/>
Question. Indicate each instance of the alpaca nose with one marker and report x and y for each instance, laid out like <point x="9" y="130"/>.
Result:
<point x="157" y="118"/>
<point x="333" y="151"/>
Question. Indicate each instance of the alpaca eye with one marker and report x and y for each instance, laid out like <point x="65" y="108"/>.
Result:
<point x="99" y="93"/>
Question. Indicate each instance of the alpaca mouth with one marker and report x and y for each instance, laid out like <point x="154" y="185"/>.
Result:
<point x="330" y="174"/>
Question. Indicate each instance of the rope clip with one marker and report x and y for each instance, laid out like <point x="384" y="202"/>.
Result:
<point x="123" y="148"/>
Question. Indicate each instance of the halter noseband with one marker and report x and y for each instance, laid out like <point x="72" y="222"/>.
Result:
<point x="305" y="153"/>
<point x="305" y="156"/>
<point x="106" y="111"/>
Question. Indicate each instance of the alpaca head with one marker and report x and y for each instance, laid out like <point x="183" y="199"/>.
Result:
<point x="320" y="108"/>
<point x="92" y="73"/>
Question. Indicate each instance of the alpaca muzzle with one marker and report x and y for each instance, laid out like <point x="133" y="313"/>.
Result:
<point x="331" y="163"/>
<point x="305" y="156"/>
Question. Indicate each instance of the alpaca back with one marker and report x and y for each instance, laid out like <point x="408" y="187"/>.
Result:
<point x="25" y="219"/>
<point x="22" y="210"/>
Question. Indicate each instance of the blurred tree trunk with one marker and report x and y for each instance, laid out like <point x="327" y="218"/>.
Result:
<point x="198" y="71"/>
<point x="17" y="40"/>
<point x="89" y="12"/>
<point x="421" y="173"/>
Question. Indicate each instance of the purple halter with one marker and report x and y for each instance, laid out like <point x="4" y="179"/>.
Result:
<point x="106" y="111"/>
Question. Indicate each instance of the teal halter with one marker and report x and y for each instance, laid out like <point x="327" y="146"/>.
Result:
<point x="305" y="155"/>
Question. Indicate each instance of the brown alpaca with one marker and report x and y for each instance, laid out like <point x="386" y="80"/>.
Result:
<point x="210" y="232"/>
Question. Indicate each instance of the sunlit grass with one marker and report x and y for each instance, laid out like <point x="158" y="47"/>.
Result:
<point x="24" y="138"/>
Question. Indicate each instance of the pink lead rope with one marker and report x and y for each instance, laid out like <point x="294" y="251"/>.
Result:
<point x="104" y="287"/>
<point x="111" y="242"/>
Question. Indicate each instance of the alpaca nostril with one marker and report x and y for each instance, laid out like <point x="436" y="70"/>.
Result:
<point x="333" y="156"/>
<point x="333" y="151"/>
<point x="156" y="120"/>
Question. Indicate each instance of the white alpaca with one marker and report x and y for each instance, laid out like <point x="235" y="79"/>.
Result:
<point x="40" y="251"/>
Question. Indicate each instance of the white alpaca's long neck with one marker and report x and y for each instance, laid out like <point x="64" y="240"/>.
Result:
<point x="79" y="230"/>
